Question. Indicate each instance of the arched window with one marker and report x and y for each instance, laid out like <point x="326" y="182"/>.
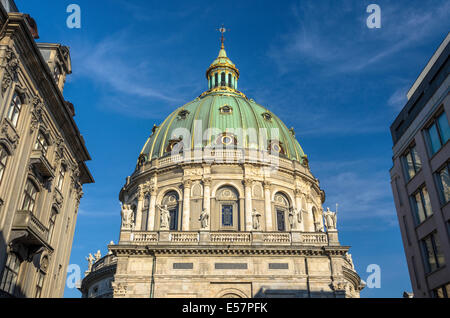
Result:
<point x="51" y="224"/>
<point x="282" y="207"/>
<point x="57" y="74"/>
<point x="30" y="195"/>
<point x="41" y="143"/>
<point x="317" y="220"/>
<point x="171" y="200"/>
<point x="10" y="274"/>
<point x="216" y="79"/>
<point x="3" y="161"/>
<point x="230" y="84"/>
<point x="227" y="198"/>
<point x="14" y="109"/>
<point x="39" y="284"/>
<point x="222" y="79"/>
<point x="62" y="174"/>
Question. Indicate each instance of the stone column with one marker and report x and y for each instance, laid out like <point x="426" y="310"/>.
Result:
<point x="248" y="204"/>
<point x="151" y="210"/>
<point x="186" y="205"/>
<point x="140" y="205"/>
<point x="268" y="206"/>
<point x="207" y="195"/>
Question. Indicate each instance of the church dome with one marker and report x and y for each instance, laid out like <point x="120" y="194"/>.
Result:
<point x="224" y="115"/>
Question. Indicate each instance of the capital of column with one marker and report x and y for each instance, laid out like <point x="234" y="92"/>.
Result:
<point x="266" y="184"/>
<point x="298" y="192"/>
<point x="142" y="193"/>
<point x="207" y="181"/>
<point x="187" y="184"/>
<point x="248" y="182"/>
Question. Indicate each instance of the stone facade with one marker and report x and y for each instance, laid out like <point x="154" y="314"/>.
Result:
<point x="42" y="161"/>
<point x="228" y="217"/>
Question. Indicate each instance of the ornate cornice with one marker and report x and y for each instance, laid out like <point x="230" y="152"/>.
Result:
<point x="126" y="250"/>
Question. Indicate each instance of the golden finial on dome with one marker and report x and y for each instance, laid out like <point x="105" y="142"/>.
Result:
<point x="222" y="30"/>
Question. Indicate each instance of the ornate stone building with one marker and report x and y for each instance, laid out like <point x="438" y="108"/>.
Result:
<point x="42" y="161"/>
<point x="223" y="204"/>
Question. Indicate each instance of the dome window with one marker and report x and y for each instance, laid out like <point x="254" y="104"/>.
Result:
<point x="141" y="160"/>
<point x="226" y="139"/>
<point x="182" y="114"/>
<point x="276" y="147"/>
<point x="226" y="109"/>
<point x="175" y="146"/>
<point x="267" y="116"/>
<point x="222" y="79"/>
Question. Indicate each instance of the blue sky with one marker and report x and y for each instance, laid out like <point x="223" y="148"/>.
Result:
<point x="313" y="63"/>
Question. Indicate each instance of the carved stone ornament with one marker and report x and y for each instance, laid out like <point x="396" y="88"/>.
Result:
<point x="12" y="64"/>
<point x="193" y="172"/>
<point x="207" y="182"/>
<point x="248" y="182"/>
<point x="120" y="289"/>
<point x="8" y="134"/>
<point x="339" y="285"/>
<point x="57" y="198"/>
<point x="36" y="113"/>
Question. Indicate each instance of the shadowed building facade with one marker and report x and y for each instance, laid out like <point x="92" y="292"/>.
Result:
<point x="42" y="161"/>
<point x="420" y="177"/>
<point x="223" y="204"/>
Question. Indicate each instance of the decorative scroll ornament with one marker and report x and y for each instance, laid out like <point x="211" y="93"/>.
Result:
<point x="12" y="64"/>
<point x="36" y="113"/>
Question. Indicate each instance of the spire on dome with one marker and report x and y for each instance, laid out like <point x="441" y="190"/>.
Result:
<point x="222" y="73"/>
<point x="222" y="30"/>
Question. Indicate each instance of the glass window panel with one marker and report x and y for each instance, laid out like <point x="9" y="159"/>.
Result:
<point x="410" y="165"/>
<point x="429" y="254"/>
<point x="173" y="220"/>
<point x="439" y="293"/>
<point x="435" y="142"/>
<point x="3" y="161"/>
<point x="227" y="215"/>
<point x="419" y="208"/>
<point x="416" y="159"/>
<point x="444" y="129"/>
<point x="447" y="289"/>
<point x="439" y="255"/>
<point x="10" y="274"/>
<point x="426" y="203"/>
<point x="280" y="221"/>
<point x="444" y="178"/>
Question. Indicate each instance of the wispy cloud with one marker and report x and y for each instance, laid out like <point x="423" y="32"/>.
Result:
<point x="398" y="98"/>
<point x="362" y="197"/>
<point x="106" y="63"/>
<point x="341" y="42"/>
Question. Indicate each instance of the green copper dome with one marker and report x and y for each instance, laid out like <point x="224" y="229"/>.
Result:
<point x="219" y="113"/>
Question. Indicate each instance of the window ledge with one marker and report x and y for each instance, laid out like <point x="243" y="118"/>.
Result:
<point x="435" y="271"/>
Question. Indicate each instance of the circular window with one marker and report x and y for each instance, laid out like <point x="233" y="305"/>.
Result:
<point x="226" y="140"/>
<point x="276" y="148"/>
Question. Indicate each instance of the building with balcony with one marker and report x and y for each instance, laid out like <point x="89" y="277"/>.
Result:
<point x="42" y="161"/>
<point x="222" y="203"/>
<point x="420" y="177"/>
